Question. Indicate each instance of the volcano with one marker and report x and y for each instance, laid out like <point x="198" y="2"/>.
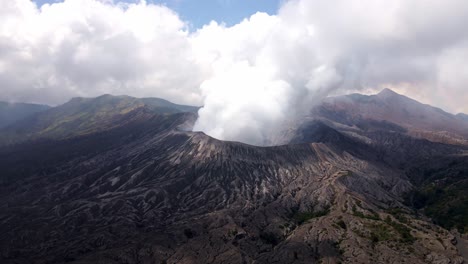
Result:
<point x="115" y="179"/>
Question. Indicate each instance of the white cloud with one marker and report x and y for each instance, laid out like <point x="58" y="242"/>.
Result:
<point x="88" y="47"/>
<point x="314" y="48"/>
<point x="250" y="77"/>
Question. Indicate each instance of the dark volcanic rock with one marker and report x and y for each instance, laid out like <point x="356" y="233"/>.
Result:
<point x="165" y="195"/>
<point x="147" y="191"/>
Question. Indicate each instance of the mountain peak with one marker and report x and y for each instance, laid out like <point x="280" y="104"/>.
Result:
<point x="386" y="92"/>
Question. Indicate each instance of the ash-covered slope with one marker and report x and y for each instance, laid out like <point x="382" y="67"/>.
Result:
<point x="146" y="191"/>
<point x="405" y="135"/>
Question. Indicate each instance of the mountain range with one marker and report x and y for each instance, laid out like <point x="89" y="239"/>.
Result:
<point x="12" y="112"/>
<point x="114" y="179"/>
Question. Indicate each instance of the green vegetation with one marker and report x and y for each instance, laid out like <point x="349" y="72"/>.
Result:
<point x="302" y="217"/>
<point x="373" y="216"/>
<point x="380" y="232"/>
<point x="443" y="195"/>
<point x="448" y="207"/>
<point x="398" y="213"/>
<point x="389" y="230"/>
<point x="403" y="231"/>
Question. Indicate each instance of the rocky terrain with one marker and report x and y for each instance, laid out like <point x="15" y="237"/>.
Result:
<point x="139" y="187"/>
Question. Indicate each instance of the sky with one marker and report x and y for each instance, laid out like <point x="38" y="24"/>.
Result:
<point x="252" y="65"/>
<point x="200" y="12"/>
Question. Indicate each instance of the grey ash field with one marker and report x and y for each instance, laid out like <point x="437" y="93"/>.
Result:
<point x="360" y="179"/>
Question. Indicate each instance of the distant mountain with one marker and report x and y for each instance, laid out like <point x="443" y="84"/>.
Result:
<point x="82" y="116"/>
<point x="389" y="110"/>
<point x="12" y="112"/>
<point x="463" y="117"/>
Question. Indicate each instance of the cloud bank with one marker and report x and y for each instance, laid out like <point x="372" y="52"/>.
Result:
<point x="89" y="47"/>
<point x="250" y="77"/>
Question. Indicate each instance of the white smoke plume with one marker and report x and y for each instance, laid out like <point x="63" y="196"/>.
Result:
<point x="251" y="77"/>
<point x="270" y="69"/>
